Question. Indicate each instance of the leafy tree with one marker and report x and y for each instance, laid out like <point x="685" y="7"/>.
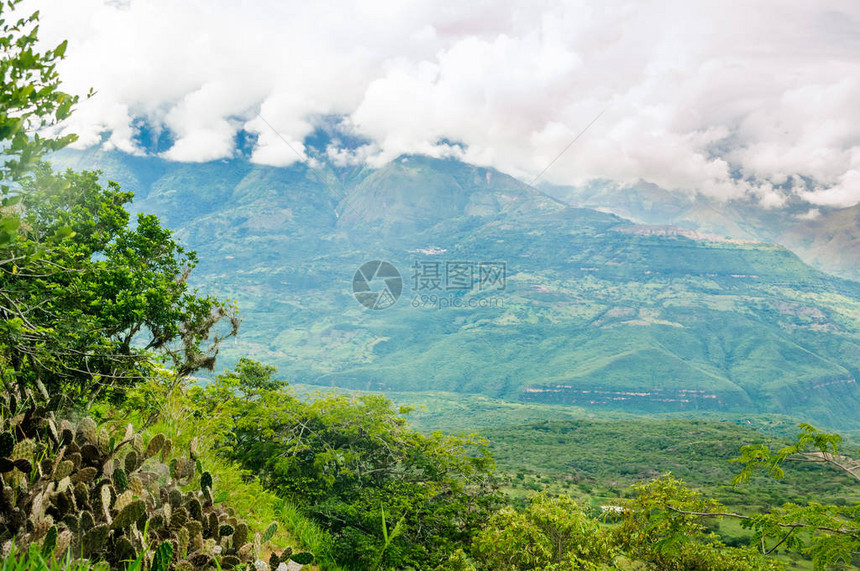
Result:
<point x="663" y="527"/>
<point x="90" y="301"/>
<point x="553" y="533"/>
<point x="828" y="533"/>
<point x="666" y="517"/>
<point x="98" y="307"/>
<point x="30" y="101"/>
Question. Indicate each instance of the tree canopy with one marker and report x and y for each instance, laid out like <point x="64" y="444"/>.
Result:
<point x="91" y="299"/>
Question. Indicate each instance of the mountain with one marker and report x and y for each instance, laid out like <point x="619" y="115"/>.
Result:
<point x="830" y="240"/>
<point x="543" y="302"/>
<point x="826" y="238"/>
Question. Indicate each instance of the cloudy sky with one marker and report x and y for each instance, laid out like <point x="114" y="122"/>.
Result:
<point x="727" y="98"/>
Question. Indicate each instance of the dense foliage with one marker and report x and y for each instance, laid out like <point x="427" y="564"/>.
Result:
<point x="91" y="313"/>
<point x="355" y="466"/>
<point x="30" y="101"/>
<point x="553" y="532"/>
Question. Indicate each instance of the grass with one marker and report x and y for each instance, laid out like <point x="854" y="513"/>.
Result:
<point x="32" y="560"/>
<point x="309" y="534"/>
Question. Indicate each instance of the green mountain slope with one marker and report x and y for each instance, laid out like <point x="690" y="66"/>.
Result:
<point x="596" y="311"/>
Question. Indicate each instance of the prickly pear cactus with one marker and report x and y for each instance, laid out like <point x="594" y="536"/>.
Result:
<point x="76" y="489"/>
<point x="178" y="519"/>
<point x="183" y="538"/>
<point x="240" y="535"/>
<point x="95" y="539"/>
<point x="174" y="497"/>
<point x="156" y="443"/>
<point x="131" y="462"/>
<point x="120" y="481"/>
<point x="166" y="449"/>
<point x="7" y="443"/>
<point x="269" y="533"/>
<point x="225" y="530"/>
<point x="303" y="558"/>
<point x="88" y="431"/>
<point x="50" y="541"/>
<point x="206" y="480"/>
<point x="129" y="514"/>
<point x="163" y="556"/>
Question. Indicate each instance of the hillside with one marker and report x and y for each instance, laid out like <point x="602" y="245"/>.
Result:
<point x="595" y="311"/>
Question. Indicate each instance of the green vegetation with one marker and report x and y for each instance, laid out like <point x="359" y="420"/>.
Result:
<point x="30" y="101"/>
<point x="595" y="314"/>
<point x="602" y="458"/>
<point x="350" y="461"/>
<point x="91" y="306"/>
<point x="33" y="560"/>
<point x="114" y="497"/>
<point x="550" y="532"/>
<point x="113" y="455"/>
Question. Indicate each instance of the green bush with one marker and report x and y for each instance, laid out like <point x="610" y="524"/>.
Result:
<point x="553" y="533"/>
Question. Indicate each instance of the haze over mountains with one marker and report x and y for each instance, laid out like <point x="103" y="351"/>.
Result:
<point x="596" y="310"/>
<point x="826" y="238"/>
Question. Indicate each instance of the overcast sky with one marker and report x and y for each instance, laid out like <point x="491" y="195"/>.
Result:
<point x="725" y="98"/>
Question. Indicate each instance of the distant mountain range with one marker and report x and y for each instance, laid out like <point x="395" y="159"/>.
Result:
<point x="509" y="291"/>
<point x="826" y="238"/>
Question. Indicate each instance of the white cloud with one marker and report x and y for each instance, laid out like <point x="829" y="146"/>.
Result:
<point x="811" y="214"/>
<point x="729" y="98"/>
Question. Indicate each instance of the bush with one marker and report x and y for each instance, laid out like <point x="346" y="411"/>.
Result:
<point x="553" y="533"/>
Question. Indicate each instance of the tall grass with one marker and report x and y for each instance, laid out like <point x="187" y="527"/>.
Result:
<point x="32" y="560"/>
<point x="309" y="534"/>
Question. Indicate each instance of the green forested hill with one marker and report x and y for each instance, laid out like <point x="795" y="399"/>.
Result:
<point x="597" y="312"/>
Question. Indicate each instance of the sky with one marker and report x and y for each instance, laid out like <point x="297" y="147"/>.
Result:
<point x="731" y="99"/>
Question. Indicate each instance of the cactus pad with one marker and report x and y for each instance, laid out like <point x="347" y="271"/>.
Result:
<point x="87" y="431"/>
<point x="130" y="462"/>
<point x="95" y="539"/>
<point x="129" y="514"/>
<point x="120" y="480"/>
<point x="163" y="557"/>
<point x="270" y="532"/>
<point x="155" y="445"/>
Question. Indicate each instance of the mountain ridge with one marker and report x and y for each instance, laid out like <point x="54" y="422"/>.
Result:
<point x="592" y="301"/>
<point x="825" y="237"/>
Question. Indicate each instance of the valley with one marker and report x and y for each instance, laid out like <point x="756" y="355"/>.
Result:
<point x="595" y="311"/>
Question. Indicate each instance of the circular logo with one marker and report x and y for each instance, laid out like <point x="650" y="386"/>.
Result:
<point x="377" y="285"/>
